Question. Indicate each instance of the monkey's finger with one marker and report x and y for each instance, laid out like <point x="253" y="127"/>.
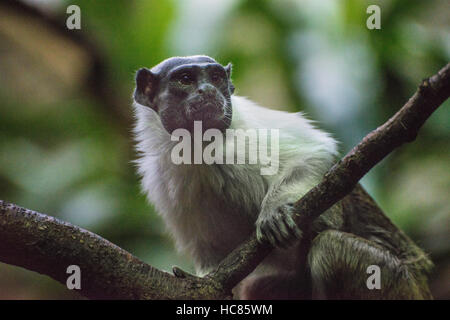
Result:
<point x="283" y="227"/>
<point x="288" y="240"/>
<point x="279" y="237"/>
<point x="275" y="235"/>
<point x="295" y="230"/>
<point x="282" y="233"/>
<point x="290" y="227"/>
<point x="259" y="236"/>
<point x="262" y="233"/>
<point x="266" y="230"/>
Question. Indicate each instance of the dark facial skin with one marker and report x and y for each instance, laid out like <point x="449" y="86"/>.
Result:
<point x="187" y="89"/>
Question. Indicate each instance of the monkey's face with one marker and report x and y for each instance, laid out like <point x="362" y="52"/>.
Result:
<point x="184" y="90"/>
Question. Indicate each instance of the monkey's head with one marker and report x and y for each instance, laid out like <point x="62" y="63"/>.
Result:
<point x="187" y="89"/>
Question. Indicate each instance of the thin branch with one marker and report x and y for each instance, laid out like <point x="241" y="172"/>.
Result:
<point x="47" y="245"/>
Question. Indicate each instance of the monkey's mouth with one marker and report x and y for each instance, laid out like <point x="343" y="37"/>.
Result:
<point x="206" y="111"/>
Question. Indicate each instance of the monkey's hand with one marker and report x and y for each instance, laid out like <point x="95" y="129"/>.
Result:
<point x="276" y="225"/>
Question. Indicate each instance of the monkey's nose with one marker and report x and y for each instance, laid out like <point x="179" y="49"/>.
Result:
<point x="205" y="88"/>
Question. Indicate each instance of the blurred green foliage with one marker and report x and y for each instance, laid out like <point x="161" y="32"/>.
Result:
<point x="66" y="152"/>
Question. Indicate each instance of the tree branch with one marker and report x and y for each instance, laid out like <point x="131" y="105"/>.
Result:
<point x="47" y="245"/>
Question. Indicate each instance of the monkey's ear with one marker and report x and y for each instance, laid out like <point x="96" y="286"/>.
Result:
<point x="146" y="87"/>
<point x="228" y="69"/>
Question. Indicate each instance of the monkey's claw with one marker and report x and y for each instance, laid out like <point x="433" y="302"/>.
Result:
<point x="278" y="227"/>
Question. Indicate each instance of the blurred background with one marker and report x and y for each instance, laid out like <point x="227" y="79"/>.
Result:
<point x="65" y="115"/>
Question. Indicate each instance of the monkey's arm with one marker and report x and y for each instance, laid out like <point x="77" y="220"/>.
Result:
<point x="275" y="222"/>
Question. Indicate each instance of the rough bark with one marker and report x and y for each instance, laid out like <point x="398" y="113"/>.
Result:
<point x="47" y="245"/>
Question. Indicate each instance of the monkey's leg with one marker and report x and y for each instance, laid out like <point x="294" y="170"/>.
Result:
<point x="339" y="262"/>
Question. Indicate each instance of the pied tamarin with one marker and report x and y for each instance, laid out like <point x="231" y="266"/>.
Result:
<point x="211" y="208"/>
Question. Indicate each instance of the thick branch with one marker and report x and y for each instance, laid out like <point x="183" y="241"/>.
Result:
<point x="47" y="245"/>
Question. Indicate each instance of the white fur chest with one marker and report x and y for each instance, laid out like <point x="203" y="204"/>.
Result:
<point x="209" y="208"/>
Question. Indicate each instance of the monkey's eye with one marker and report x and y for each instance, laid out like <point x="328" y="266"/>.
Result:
<point x="216" y="77"/>
<point x="186" y="78"/>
